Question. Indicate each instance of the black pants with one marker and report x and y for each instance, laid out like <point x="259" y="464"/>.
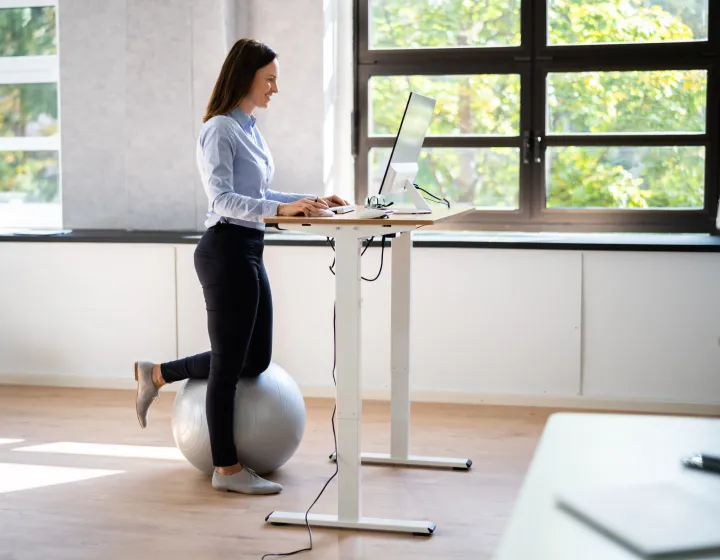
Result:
<point x="229" y="264"/>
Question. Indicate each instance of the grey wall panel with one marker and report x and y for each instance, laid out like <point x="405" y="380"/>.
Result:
<point x="92" y="48"/>
<point x="160" y="172"/>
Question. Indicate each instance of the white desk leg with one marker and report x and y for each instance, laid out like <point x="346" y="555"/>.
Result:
<point x="349" y="397"/>
<point x="349" y="405"/>
<point x="401" y="295"/>
<point x="400" y="319"/>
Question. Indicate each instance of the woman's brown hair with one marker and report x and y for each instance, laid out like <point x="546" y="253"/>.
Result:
<point x="245" y="58"/>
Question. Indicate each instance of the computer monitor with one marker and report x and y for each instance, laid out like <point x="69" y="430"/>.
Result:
<point x="402" y="166"/>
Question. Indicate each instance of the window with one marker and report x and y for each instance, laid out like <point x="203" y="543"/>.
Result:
<point x="554" y="115"/>
<point x="29" y="125"/>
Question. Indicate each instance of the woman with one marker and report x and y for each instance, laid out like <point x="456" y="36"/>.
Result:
<point x="236" y="170"/>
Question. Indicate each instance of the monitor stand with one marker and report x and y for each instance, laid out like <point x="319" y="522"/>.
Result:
<point x="421" y="205"/>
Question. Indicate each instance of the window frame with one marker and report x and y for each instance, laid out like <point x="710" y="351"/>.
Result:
<point x="533" y="60"/>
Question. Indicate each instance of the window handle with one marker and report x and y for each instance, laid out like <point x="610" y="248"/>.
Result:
<point x="538" y="148"/>
<point x="526" y="147"/>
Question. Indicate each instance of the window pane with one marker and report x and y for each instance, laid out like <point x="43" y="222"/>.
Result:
<point x="29" y="177"/>
<point x="484" y="177"/>
<point x="616" y="102"/>
<point x="626" y="177"/>
<point x="487" y="104"/>
<point x="629" y="21"/>
<point x="28" y="110"/>
<point x="413" y="24"/>
<point x="27" y="31"/>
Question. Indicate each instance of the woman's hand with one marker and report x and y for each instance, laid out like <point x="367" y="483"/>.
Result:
<point x="303" y="207"/>
<point x="335" y="200"/>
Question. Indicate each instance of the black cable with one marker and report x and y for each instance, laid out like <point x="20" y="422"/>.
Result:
<point x="332" y="246"/>
<point x="329" y="480"/>
<point x="437" y="198"/>
<point x="369" y="241"/>
<point x="382" y="256"/>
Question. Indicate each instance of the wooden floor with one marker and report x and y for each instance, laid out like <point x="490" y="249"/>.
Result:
<point x="165" y="509"/>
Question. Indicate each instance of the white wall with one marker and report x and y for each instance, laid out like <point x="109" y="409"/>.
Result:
<point x="652" y="326"/>
<point x="594" y="329"/>
<point x="93" y="91"/>
<point x="464" y="345"/>
<point x="76" y="313"/>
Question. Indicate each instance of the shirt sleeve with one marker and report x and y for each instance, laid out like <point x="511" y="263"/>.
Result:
<point x="218" y="151"/>
<point x="286" y="197"/>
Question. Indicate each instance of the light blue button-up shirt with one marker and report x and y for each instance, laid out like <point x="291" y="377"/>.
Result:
<point x="237" y="168"/>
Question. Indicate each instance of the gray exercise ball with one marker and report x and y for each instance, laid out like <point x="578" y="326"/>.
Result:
<point x="268" y="426"/>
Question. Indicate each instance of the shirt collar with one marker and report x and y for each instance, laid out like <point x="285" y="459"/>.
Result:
<point x="245" y="120"/>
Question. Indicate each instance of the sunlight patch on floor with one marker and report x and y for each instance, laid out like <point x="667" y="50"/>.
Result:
<point x="6" y="441"/>
<point x="107" y="450"/>
<point x="15" y="477"/>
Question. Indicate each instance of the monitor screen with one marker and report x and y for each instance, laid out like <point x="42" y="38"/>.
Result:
<point x="411" y="134"/>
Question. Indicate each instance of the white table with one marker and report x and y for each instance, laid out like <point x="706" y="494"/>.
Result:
<point x="348" y="232"/>
<point x="580" y="450"/>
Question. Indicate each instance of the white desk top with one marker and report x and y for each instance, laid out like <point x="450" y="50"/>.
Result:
<point x="439" y="214"/>
<point x="581" y="450"/>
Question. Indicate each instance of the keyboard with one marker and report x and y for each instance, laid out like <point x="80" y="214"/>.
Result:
<point x="343" y="209"/>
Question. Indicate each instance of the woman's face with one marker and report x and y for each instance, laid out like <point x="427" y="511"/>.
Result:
<point x="264" y="85"/>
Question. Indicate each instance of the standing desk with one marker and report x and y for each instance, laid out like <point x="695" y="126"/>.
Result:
<point x="348" y="231"/>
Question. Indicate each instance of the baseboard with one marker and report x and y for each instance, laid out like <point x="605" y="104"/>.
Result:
<point x="79" y="381"/>
<point x="543" y="401"/>
<point x="443" y="397"/>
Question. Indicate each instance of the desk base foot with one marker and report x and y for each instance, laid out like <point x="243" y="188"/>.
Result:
<point x="413" y="461"/>
<point x="424" y="528"/>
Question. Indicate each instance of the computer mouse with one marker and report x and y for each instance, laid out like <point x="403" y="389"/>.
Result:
<point x="323" y="213"/>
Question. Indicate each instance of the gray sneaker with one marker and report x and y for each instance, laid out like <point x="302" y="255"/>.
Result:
<point x="246" y="481"/>
<point x="146" y="391"/>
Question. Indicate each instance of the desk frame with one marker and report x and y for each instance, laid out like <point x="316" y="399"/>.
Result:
<point x="348" y="244"/>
